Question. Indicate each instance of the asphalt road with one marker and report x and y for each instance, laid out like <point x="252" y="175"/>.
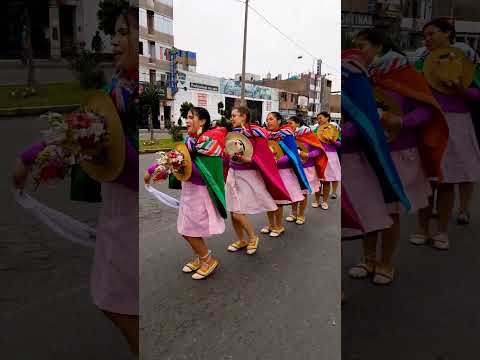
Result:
<point x="46" y="311"/>
<point x="281" y="303"/>
<point x="430" y="312"/>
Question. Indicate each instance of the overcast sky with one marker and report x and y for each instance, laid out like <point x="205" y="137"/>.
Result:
<point x="214" y="30"/>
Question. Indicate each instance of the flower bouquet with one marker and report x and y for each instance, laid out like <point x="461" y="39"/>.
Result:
<point x="69" y="139"/>
<point x="168" y="163"/>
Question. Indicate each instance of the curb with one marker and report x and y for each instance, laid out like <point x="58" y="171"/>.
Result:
<point x="37" y="110"/>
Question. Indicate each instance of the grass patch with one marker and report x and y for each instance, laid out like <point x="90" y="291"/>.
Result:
<point x="46" y="95"/>
<point x="156" y="145"/>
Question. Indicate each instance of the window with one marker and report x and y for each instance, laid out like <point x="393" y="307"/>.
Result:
<point x="166" y="2"/>
<point x="152" y="51"/>
<point x="153" y="76"/>
<point x="292" y="98"/>
<point x="140" y="47"/>
<point x="150" y="21"/>
<point x="163" y="24"/>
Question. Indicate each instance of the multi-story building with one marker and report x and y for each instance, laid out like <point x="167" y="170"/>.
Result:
<point x="155" y="52"/>
<point x="208" y="91"/>
<point x="313" y="87"/>
<point x="288" y="103"/>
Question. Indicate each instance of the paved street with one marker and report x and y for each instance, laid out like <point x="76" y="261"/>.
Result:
<point x="45" y="300"/>
<point x="281" y="303"/>
<point x="431" y="310"/>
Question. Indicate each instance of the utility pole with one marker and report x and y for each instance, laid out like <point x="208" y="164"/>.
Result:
<point x="242" y="93"/>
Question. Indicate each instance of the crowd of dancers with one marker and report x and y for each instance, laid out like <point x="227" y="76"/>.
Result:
<point x="287" y="161"/>
<point x="409" y="139"/>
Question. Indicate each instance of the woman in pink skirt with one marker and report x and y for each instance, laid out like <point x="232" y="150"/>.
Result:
<point x="198" y="216"/>
<point x="384" y="63"/>
<point x="314" y="163"/>
<point x="114" y="277"/>
<point x="333" y="170"/>
<point x="246" y="190"/>
<point x="277" y="132"/>
<point x="461" y="161"/>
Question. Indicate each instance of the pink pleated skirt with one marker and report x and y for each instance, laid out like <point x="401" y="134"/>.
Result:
<point x="365" y="194"/>
<point x="114" y="277"/>
<point x="461" y="161"/>
<point x="291" y="183"/>
<point x="333" y="170"/>
<point x="246" y="193"/>
<point x="197" y="216"/>
<point x="414" y="180"/>
<point x="312" y="178"/>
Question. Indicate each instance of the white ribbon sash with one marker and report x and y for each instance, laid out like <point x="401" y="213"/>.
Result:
<point x="60" y="223"/>
<point x="164" y="198"/>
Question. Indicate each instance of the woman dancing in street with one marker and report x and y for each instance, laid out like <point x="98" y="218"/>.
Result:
<point x="253" y="184"/>
<point x="328" y="135"/>
<point x="202" y="201"/>
<point x="314" y="163"/>
<point x="290" y="169"/>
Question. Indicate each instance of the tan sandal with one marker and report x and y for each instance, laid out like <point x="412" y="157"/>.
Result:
<point x="202" y="274"/>
<point x="315" y="204"/>
<point x="300" y="220"/>
<point x="253" y="246"/>
<point x="324" y="206"/>
<point x="362" y="270"/>
<point x="192" y="266"/>
<point x="266" y="230"/>
<point x="291" y="218"/>
<point x="277" y="232"/>
<point x="383" y="276"/>
<point x="237" y="245"/>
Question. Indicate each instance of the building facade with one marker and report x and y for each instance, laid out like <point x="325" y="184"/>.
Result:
<point x="208" y="91"/>
<point x="156" y="53"/>
<point x="312" y="86"/>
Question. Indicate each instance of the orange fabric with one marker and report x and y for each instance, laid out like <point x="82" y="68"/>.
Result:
<point x="322" y="160"/>
<point x="434" y="135"/>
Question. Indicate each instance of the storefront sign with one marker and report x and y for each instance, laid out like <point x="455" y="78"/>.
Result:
<point x="203" y="86"/>
<point x="233" y="87"/>
<point x="202" y="100"/>
<point x="356" y="19"/>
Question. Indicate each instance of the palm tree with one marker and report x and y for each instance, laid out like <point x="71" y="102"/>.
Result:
<point x="150" y="99"/>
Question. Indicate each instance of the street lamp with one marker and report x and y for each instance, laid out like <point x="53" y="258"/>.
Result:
<point x="242" y="93"/>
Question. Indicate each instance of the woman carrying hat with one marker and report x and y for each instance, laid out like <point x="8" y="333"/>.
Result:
<point x="328" y="135"/>
<point x="369" y="174"/>
<point x="114" y="275"/>
<point x="291" y="171"/>
<point x="461" y="161"/>
<point x="412" y="119"/>
<point x="253" y="182"/>
<point x="202" y="201"/>
<point x="314" y="161"/>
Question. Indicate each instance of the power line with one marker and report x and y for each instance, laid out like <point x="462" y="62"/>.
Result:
<point x="286" y="36"/>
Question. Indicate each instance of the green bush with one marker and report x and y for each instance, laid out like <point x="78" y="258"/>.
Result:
<point x="86" y="66"/>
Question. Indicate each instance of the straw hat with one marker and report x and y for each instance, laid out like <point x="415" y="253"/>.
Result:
<point x="275" y="149"/>
<point x="237" y="143"/>
<point x="301" y="146"/>
<point x="388" y="106"/>
<point x="111" y="165"/>
<point x="448" y="65"/>
<point x="186" y="170"/>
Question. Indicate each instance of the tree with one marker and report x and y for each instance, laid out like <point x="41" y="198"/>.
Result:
<point x="27" y="56"/>
<point x="108" y="12"/>
<point x="150" y="102"/>
<point x="184" y="109"/>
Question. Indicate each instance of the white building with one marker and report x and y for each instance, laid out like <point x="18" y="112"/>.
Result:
<point x="208" y="91"/>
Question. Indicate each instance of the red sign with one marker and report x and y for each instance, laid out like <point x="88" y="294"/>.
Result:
<point x="202" y="100"/>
